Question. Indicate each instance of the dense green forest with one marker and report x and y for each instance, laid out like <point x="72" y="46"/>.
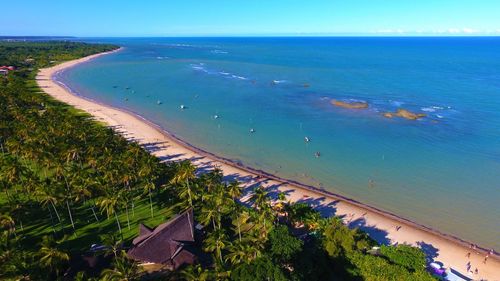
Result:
<point x="68" y="182"/>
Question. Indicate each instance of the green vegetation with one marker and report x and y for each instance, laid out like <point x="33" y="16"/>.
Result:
<point x="68" y="182"/>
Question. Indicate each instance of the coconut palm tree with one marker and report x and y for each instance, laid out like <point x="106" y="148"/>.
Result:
<point x="7" y="223"/>
<point x="112" y="242"/>
<point x="196" y="273"/>
<point x="184" y="174"/>
<point x="240" y="223"/>
<point x="260" y="198"/>
<point x="50" y="256"/>
<point x="123" y="269"/>
<point x="109" y="204"/>
<point x="244" y="251"/>
<point x="149" y="186"/>
<point x="234" y="190"/>
<point x="46" y="195"/>
<point x="216" y="241"/>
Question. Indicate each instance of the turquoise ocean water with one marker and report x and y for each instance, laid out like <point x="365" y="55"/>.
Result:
<point x="442" y="171"/>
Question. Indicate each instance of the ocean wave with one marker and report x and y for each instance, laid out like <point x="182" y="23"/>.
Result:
<point x="433" y="108"/>
<point x="199" y="67"/>
<point x="239" y="77"/>
<point x="396" y="103"/>
<point x="202" y="68"/>
<point x="428" y="109"/>
<point x="218" y="52"/>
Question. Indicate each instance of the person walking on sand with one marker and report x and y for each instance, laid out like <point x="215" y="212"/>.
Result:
<point x="468" y="255"/>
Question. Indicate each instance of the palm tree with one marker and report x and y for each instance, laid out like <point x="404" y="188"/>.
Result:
<point x="215" y="242"/>
<point x="109" y="204"/>
<point x="243" y="251"/>
<point x="7" y="222"/>
<point x="196" y="273"/>
<point x="209" y="214"/>
<point x="112" y="242"/>
<point x="185" y="172"/>
<point x="234" y="190"/>
<point x="50" y="256"/>
<point x="46" y="197"/>
<point x="149" y="187"/>
<point x="240" y="222"/>
<point x="260" y="198"/>
<point x="124" y="270"/>
<point x="212" y="178"/>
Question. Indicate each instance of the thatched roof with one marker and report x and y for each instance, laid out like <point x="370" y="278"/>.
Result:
<point x="165" y="243"/>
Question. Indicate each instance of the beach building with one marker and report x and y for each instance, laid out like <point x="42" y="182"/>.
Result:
<point x="167" y="244"/>
<point x="4" y="69"/>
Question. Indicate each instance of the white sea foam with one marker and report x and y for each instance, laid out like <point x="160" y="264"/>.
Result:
<point x="428" y="109"/>
<point x="239" y="77"/>
<point x="219" y="52"/>
<point x="201" y="67"/>
<point x="396" y="103"/>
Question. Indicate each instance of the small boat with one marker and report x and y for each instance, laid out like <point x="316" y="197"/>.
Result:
<point x="158" y="102"/>
<point x="317" y="154"/>
<point x="252" y="130"/>
<point x="216" y="116"/>
<point x="127" y="88"/>
<point x="183" y="106"/>
<point x="306" y="139"/>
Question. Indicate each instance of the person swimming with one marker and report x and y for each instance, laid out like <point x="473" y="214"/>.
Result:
<point x="317" y="154"/>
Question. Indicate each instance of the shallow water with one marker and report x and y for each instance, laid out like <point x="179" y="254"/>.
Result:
<point x="442" y="171"/>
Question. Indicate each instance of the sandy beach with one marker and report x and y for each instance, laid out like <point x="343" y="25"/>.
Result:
<point x="382" y="226"/>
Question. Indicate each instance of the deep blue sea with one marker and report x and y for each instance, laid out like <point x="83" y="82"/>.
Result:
<point x="442" y="171"/>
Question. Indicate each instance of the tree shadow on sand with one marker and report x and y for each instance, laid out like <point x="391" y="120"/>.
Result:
<point x="375" y="233"/>
<point x="326" y="210"/>
<point x="430" y="251"/>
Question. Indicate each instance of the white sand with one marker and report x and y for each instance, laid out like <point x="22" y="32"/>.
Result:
<point x="449" y="251"/>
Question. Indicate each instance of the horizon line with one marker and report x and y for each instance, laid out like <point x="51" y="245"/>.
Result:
<point x="2" y="37"/>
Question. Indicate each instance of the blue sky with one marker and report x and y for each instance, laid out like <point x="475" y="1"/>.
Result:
<point x="249" y="17"/>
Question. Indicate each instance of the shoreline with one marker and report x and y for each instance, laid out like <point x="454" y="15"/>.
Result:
<point x="447" y="249"/>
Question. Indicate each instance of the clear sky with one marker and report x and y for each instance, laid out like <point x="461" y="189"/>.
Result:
<point x="249" y="17"/>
